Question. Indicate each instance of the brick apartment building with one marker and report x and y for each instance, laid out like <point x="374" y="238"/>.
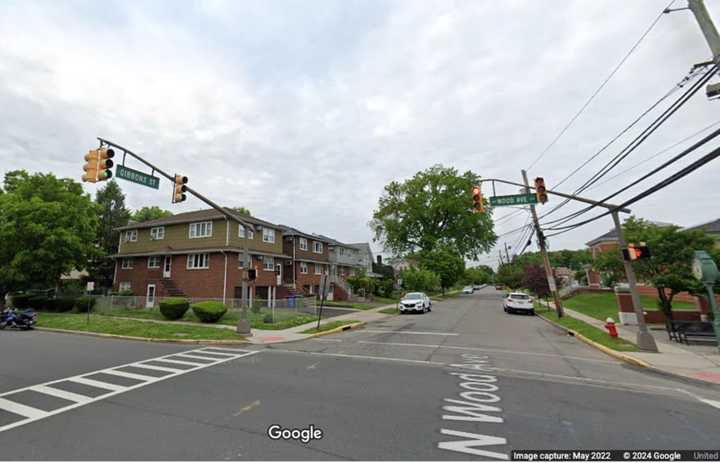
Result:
<point x="199" y="254"/>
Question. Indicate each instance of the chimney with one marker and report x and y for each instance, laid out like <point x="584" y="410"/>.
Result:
<point x="379" y="259"/>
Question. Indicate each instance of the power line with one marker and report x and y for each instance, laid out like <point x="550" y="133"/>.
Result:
<point x="602" y="85"/>
<point x="657" y="187"/>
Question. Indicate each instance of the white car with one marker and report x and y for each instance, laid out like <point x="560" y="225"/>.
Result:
<point x="415" y="302"/>
<point x="519" y="302"/>
<point x="468" y="290"/>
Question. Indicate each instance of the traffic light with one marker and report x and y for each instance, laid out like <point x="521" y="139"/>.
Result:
<point x="478" y="205"/>
<point x="97" y="165"/>
<point x="635" y="252"/>
<point x="179" y="189"/>
<point x="540" y="191"/>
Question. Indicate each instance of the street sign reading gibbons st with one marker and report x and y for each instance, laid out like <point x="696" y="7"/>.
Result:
<point x="513" y="200"/>
<point x="136" y="176"/>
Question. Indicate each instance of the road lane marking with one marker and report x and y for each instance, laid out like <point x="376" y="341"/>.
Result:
<point x="195" y="357"/>
<point x="155" y="367"/>
<point x="482" y="349"/>
<point x="71" y="396"/>
<point x="247" y="408"/>
<point x="20" y="409"/>
<point x="363" y="357"/>
<point x="125" y="374"/>
<point x="98" y="384"/>
<point x="32" y="414"/>
<point x="435" y="333"/>
<point x="712" y="403"/>
<point x="179" y="362"/>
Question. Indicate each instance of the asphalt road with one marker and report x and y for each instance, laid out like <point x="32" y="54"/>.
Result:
<point x="465" y="381"/>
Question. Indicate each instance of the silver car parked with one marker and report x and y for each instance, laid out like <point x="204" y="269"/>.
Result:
<point x="415" y="302"/>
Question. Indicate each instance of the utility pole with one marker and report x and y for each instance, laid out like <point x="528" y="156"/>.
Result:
<point x="706" y="26"/>
<point x="507" y="254"/>
<point x="645" y="340"/>
<point x="543" y="251"/>
<point x="500" y="254"/>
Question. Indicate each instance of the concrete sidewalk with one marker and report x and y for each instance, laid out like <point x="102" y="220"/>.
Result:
<point x="673" y="358"/>
<point x="296" y="332"/>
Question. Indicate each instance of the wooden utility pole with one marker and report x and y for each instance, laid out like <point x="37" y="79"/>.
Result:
<point x="543" y="252"/>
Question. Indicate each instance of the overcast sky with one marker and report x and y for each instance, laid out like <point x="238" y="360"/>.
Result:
<point x="303" y="110"/>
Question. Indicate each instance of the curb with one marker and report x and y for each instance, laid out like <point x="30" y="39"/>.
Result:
<point x="611" y="352"/>
<point x="350" y="326"/>
<point x="138" y="338"/>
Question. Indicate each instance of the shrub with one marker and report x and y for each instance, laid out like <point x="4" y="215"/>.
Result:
<point x="63" y="304"/>
<point x="126" y="292"/>
<point x="209" y="311"/>
<point x="20" y="301"/>
<point x="268" y="318"/>
<point x="38" y="302"/>
<point x="174" y="308"/>
<point x="85" y="303"/>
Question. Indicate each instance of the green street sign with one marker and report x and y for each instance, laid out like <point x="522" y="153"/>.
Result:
<point x="136" y="176"/>
<point x="513" y="200"/>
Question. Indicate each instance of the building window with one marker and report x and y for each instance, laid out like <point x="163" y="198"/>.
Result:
<point x="157" y="233"/>
<point x="318" y="269"/>
<point x="241" y="232"/>
<point x="268" y="235"/>
<point x="131" y="235"/>
<point x="303" y="267"/>
<point x="196" y="261"/>
<point x="200" y="229"/>
<point x="341" y="251"/>
<point x="127" y="263"/>
<point x="154" y="262"/>
<point x="302" y="243"/>
<point x="124" y="286"/>
<point x="241" y="260"/>
<point x="317" y="247"/>
<point x="268" y="264"/>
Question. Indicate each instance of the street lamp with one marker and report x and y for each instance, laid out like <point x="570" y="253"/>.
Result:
<point x="706" y="271"/>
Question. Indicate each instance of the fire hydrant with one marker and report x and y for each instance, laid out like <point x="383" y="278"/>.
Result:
<point x="610" y="325"/>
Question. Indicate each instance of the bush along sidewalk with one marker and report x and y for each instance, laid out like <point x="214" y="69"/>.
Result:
<point x="209" y="311"/>
<point x="174" y="308"/>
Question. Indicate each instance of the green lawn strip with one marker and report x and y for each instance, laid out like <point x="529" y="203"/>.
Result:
<point x="113" y="325"/>
<point x="589" y="331"/>
<point x="604" y="305"/>
<point x="282" y="319"/>
<point x="352" y="305"/>
<point x="330" y="326"/>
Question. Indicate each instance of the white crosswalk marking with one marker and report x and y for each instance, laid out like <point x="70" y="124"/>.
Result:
<point x="110" y="389"/>
<point x="47" y="390"/>
<point x="20" y="409"/>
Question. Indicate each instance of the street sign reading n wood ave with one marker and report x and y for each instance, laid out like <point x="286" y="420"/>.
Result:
<point x="136" y="176"/>
<point x="513" y="200"/>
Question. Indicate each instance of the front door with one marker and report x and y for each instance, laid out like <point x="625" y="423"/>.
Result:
<point x="278" y="273"/>
<point x="150" y="298"/>
<point x="167" y="266"/>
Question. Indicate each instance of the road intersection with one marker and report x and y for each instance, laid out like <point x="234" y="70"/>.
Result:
<point x="464" y="381"/>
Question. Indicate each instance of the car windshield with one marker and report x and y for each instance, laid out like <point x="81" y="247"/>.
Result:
<point x="414" y="296"/>
<point x="519" y="296"/>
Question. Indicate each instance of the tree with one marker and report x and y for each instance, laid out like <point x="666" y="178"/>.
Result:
<point x="361" y="283"/>
<point x="610" y="266"/>
<point x="112" y="213"/>
<point x="445" y="263"/>
<point x="149" y="213"/>
<point x="535" y="280"/>
<point x="479" y="275"/>
<point x="509" y="275"/>
<point x="47" y="228"/>
<point x="241" y="210"/>
<point x="669" y="268"/>
<point x="432" y="209"/>
<point x="414" y="279"/>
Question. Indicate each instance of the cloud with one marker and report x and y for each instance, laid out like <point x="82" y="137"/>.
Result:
<point x="303" y="112"/>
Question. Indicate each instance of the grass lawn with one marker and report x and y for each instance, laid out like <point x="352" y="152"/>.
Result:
<point x="114" y="325"/>
<point x="330" y="326"/>
<point x="604" y="305"/>
<point x="376" y="302"/>
<point x="391" y="311"/>
<point x="283" y="319"/>
<point x="590" y="332"/>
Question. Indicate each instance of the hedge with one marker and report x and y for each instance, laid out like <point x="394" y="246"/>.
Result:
<point x="81" y="303"/>
<point x="38" y="302"/>
<point x="209" y="311"/>
<point x="20" y="301"/>
<point x="60" y="304"/>
<point x="174" y="308"/>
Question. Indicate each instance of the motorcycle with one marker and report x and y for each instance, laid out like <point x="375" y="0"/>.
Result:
<point x="21" y="319"/>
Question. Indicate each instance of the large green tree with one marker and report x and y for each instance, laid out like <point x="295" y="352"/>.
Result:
<point x="432" y="209"/>
<point x="480" y="275"/>
<point x="510" y="275"/>
<point x="149" y="213"/>
<point x="669" y="268"/>
<point x="47" y="227"/>
<point x="112" y="213"/>
<point x="444" y="262"/>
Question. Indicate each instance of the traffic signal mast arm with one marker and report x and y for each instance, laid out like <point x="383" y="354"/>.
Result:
<point x="562" y="195"/>
<point x="227" y="213"/>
